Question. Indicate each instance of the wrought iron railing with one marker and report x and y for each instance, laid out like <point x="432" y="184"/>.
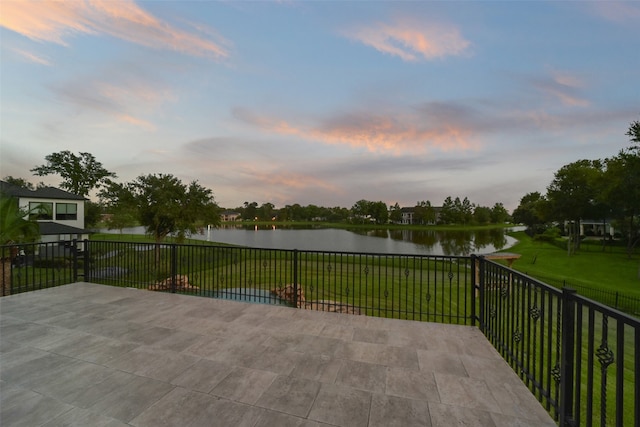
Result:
<point x="580" y="358"/>
<point x="412" y="287"/>
<point x="33" y="266"/>
<point x="614" y="299"/>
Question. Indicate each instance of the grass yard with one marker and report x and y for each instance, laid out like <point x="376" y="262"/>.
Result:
<point x="610" y="270"/>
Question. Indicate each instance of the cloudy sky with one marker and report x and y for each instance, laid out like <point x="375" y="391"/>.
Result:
<point x="318" y="102"/>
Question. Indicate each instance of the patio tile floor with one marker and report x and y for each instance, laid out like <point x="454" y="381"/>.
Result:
<point x="87" y="354"/>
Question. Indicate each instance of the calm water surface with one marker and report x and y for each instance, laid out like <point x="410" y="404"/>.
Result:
<point x="428" y="242"/>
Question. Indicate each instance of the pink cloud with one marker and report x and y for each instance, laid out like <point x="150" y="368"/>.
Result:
<point x="56" y="21"/>
<point x="411" y="41"/>
<point x="127" y="118"/>
<point x="294" y="180"/>
<point x="565" y="87"/>
<point x="126" y="98"/>
<point x="31" y="57"/>
<point x="374" y="132"/>
<point x="45" y="21"/>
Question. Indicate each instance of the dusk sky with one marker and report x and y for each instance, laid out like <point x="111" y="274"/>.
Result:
<point x="319" y="102"/>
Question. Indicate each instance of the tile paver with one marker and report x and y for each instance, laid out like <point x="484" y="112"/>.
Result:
<point x="87" y="354"/>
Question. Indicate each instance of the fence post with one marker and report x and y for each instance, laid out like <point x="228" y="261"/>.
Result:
<point x="481" y="288"/>
<point x="473" y="289"/>
<point x="86" y="260"/>
<point x="174" y="267"/>
<point x="567" y="357"/>
<point x="295" y="278"/>
<point x="74" y="246"/>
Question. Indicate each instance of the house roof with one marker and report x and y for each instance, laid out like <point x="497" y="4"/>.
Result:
<point x="39" y="193"/>
<point x="48" y="228"/>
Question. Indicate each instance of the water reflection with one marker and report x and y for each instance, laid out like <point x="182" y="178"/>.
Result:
<point x="451" y="242"/>
<point x="401" y="241"/>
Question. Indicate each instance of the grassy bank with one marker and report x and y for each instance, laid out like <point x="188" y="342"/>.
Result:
<point x="610" y="270"/>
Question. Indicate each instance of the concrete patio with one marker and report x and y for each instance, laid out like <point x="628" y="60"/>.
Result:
<point x="95" y="355"/>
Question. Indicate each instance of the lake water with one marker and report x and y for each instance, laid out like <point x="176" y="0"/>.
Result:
<point x="429" y="242"/>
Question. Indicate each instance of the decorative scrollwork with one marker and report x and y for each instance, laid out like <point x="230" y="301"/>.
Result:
<point x="221" y="279"/>
<point x="346" y="291"/>
<point x="428" y="297"/>
<point x="605" y="355"/>
<point x="450" y="275"/>
<point x="329" y="268"/>
<point x="534" y="312"/>
<point x="265" y="263"/>
<point x="555" y="373"/>
<point x="504" y="291"/>
<point x="386" y="293"/>
<point x="366" y="270"/>
<point x="406" y="272"/>
<point x="493" y="313"/>
<point x="517" y="336"/>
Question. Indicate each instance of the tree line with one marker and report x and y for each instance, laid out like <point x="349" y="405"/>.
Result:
<point x="452" y="211"/>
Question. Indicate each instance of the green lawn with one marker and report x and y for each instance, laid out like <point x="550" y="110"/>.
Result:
<point x="610" y="270"/>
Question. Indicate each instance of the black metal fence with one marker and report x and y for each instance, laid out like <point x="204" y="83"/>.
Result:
<point x="397" y="286"/>
<point x="32" y="266"/>
<point x="416" y="287"/>
<point x="614" y="299"/>
<point x="580" y="358"/>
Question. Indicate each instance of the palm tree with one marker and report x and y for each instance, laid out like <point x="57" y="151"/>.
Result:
<point x="14" y="229"/>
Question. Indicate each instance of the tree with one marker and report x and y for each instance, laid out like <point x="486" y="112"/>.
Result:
<point x="164" y="205"/>
<point x="250" y="211"/>
<point x="80" y="174"/>
<point x="621" y="188"/>
<point x="379" y="212"/>
<point x="424" y="213"/>
<point x="466" y="211"/>
<point x="361" y="209"/>
<point x="14" y="228"/>
<point x="119" y="204"/>
<point x="499" y="214"/>
<point x="448" y="211"/>
<point x="573" y="196"/>
<point x="266" y="211"/>
<point x="395" y="214"/>
<point x="634" y="135"/>
<point x="337" y="214"/>
<point x="482" y="215"/>
<point x="530" y="212"/>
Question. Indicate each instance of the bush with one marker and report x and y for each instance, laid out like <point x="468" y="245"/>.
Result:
<point x="550" y="235"/>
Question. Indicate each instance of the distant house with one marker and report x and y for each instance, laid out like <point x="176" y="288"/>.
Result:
<point x="228" y="215"/>
<point x="590" y="227"/>
<point x="408" y="216"/>
<point x="60" y="214"/>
